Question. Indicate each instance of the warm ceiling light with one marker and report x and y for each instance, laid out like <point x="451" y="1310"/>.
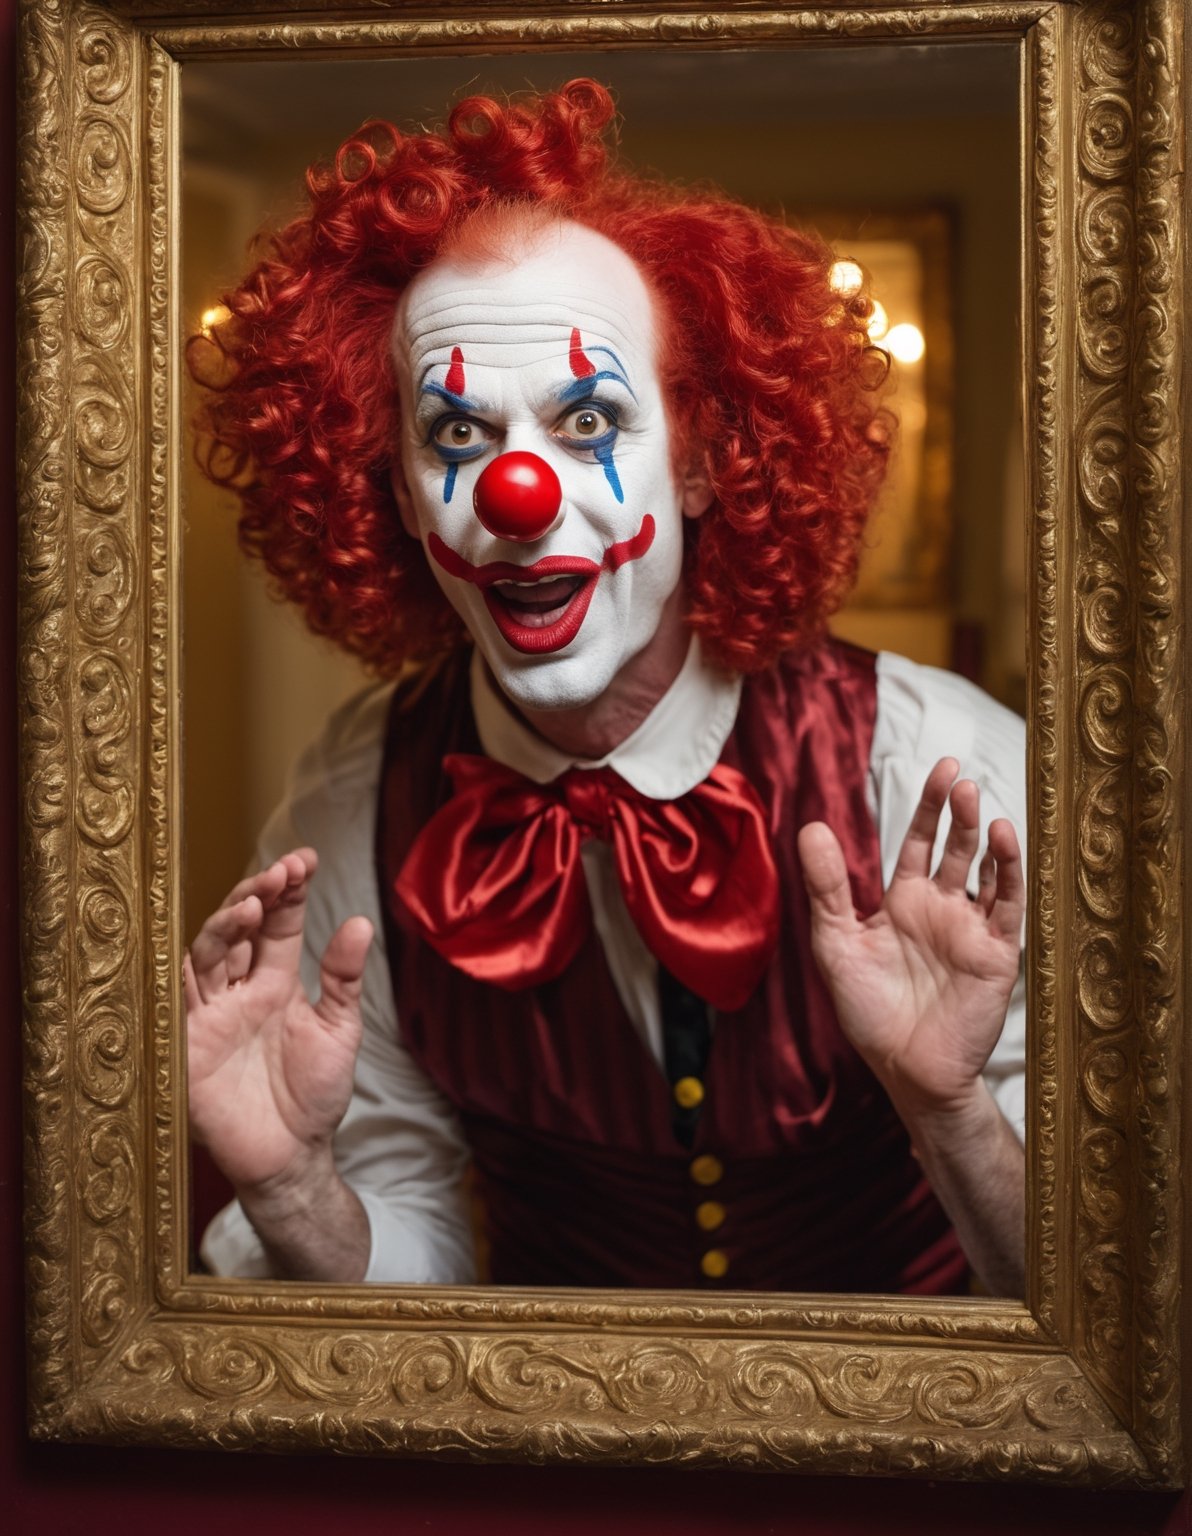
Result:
<point x="846" y="278"/>
<point x="905" y="342"/>
<point x="213" y="317"/>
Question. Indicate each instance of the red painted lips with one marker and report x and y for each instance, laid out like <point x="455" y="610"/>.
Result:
<point x="539" y="608"/>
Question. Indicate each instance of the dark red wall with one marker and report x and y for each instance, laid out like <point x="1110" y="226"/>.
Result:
<point x="59" y="1490"/>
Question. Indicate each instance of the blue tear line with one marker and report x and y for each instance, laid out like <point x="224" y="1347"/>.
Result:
<point x="449" y="483"/>
<point x="604" y="457"/>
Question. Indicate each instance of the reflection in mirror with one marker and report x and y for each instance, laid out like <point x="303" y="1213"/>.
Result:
<point x="645" y="1101"/>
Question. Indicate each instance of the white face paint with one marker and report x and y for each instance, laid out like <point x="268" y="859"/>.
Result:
<point x="551" y="354"/>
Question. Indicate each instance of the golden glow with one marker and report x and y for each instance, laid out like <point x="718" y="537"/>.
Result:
<point x="879" y="322"/>
<point x="846" y="278"/>
<point x="905" y="342"/>
<point x="213" y="317"/>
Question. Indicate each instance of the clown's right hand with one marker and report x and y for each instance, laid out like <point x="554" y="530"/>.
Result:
<point x="271" y="1074"/>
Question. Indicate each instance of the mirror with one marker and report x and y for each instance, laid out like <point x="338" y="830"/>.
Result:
<point x="935" y="235"/>
<point x="938" y="133"/>
<point x="1080" y="1381"/>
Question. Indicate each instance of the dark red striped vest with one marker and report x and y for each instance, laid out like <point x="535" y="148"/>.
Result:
<point x="569" y="1118"/>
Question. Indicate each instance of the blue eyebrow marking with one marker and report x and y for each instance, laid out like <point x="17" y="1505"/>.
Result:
<point x="579" y="389"/>
<point x="608" y="352"/>
<point x="459" y="402"/>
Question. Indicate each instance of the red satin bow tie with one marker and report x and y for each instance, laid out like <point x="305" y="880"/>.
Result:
<point x="494" y="880"/>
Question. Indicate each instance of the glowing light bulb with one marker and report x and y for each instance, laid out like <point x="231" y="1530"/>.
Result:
<point x="214" y="317"/>
<point x="845" y="277"/>
<point x="879" y="322"/>
<point x="905" y="342"/>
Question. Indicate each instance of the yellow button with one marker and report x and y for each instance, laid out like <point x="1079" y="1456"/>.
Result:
<point x="707" y="1169"/>
<point x="689" y="1092"/>
<point x="714" y="1263"/>
<point x="709" y="1214"/>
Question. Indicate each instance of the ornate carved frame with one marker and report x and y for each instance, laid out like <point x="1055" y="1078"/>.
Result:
<point x="1082" y="1384"/>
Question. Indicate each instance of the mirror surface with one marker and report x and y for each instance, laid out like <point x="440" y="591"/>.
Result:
<point x="906" y="158"/>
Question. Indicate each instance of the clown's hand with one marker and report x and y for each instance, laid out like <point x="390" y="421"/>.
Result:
<point x="921" y="987"/>
<point x="271" y="1074"/>
<point x="921" y="990"/>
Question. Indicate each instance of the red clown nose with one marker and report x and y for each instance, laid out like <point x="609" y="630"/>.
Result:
<point x="518" y="497"/>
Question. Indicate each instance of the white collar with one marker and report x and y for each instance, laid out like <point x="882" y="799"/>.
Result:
<point x="674" y="748"/>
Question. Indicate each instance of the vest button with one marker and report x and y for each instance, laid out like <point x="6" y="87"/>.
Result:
<point x="689" y="1092"/>
<point x="709" y="1214"/>
<point x="707" y="1169"/>
<point x="714" y="1263"/>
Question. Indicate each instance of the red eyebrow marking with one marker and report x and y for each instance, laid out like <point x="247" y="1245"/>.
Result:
<point x="454" y="383"/>
<point x="581" y="366"/>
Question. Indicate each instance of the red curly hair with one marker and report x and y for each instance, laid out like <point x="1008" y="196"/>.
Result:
<point x="762" y="364"/>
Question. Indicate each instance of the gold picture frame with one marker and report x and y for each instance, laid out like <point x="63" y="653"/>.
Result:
<point x="1082" y="1383"/>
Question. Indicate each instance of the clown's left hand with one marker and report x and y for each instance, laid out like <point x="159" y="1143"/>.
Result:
<point x="921" y="989"/>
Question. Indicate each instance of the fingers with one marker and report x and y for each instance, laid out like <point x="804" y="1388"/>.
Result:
<point x="825" y="874"/>
<point x="279" y="944"/>
<point x="219" y="947"/>
<point x="987" y="881"/>
<point x="259" y="923"/>
<point x="1009" y="887"/>
<point x="1001" y="888"/>
<point x="914" y="857"/>
<point x="269" y="882"/>
<point x="964" y="836"/>
<point x="341" y="972"/>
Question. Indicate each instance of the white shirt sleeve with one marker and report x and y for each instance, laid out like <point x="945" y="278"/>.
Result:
<point x="924" y="714"/>
<point x="399" y="1146"/>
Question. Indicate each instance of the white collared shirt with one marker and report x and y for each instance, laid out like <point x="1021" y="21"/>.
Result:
<point x="400" y="1146"/>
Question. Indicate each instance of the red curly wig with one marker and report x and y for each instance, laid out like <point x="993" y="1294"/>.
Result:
<point x="762" y="366"/>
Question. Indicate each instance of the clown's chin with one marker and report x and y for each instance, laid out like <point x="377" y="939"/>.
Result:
<point x="571" y="676"/>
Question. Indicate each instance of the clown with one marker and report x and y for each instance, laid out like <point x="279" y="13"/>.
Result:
<point x="625" y="883"/>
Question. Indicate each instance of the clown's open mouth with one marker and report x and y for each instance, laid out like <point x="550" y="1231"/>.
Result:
<point x="540" y="616"/>
<point x="539" y="608"/>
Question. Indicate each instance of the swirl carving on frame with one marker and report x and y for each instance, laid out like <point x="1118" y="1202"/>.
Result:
<point x="106" y="732"/>
<point x="808" y="1405"/>
<point x="1127" y="442"/>
<point x="1159" y="736"/>
<point x="77" y="367"/>
<point x="124" y="1345"/>
<point x="43" y="502"/>
<point x="1104" y="153"/>
<point x="1041" y="352"/>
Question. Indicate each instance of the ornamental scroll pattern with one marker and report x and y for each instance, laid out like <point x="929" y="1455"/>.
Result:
<point x="106" y="671"/>
<point x="79" y="471"/>
<point x="1042" y="349"/>
<point x="43" y="510"/>
<point x="767" y="1404"/>
<point x="1128" y="708"/>
<point x="670" y="25"/>
<point x="847" y="1385"/>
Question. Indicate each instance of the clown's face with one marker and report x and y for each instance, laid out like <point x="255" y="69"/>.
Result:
<point x="538" y="374"/>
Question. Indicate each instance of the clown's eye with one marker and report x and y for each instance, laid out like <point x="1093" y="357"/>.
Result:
<point x="586" y="422"/>
<point x="458" y="432"/>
